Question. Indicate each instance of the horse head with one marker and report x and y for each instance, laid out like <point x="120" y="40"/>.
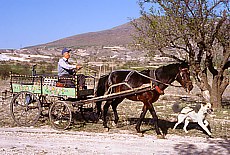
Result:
<point x="183" y="77"/>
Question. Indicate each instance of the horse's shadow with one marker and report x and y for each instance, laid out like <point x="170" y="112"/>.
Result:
<point x="88" y="115"/>
<point x="85" y="115"/>
<point x="165" y="125"/>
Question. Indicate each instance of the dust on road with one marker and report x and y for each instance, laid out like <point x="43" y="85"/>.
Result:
<point x="47" y="141"/>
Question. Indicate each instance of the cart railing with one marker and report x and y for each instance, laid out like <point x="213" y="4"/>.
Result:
<point x="48" y="86"/>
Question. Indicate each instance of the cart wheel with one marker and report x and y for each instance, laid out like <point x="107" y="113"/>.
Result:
<point x="60" y="115"/>
<point x="25" y="108"/>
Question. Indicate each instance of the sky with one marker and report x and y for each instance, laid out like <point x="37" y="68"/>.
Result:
<point x="31" y="22"/>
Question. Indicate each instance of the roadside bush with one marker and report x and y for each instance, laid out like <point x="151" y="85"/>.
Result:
<point x="21" y="68"/>
<point x="16" y="68"/>
<point x="5" y="71"/>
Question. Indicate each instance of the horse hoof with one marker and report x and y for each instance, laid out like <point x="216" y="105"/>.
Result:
<point x="106" y="129"/>
<point x="114" y="124"/>
<point x="138" y="130"/>
<point x="161" y="137"/>
<point x="210" y="136"/>
<point x="99" y="121"/>
<point x="140" y="134"/>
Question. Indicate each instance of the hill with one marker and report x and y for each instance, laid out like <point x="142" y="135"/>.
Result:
<point x="120" y="35"/>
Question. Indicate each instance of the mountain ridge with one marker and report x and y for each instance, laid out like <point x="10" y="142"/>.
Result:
<point x="119" y="35"/>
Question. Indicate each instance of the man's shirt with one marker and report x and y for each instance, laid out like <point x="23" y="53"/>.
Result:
<point x="64" y="68"/>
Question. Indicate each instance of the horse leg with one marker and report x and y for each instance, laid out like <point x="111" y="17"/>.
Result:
<point x="155" y="118"/>
<point x="98" y="106"/>
<point x="114" y="107"/>
<point x="142" y="116"/>
<point x="105" y="111"/>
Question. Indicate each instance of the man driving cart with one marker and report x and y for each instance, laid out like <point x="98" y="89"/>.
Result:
<point x="66" y="71"/>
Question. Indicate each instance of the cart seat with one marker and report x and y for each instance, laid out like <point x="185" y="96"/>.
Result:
<point x="67" y="83"/>
<point x="70" y="82"/>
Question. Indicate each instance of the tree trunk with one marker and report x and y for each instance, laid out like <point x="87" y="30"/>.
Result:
<point x="215" y="94"/>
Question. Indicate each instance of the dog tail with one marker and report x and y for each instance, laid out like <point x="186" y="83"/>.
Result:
<point x="176" y="108"/>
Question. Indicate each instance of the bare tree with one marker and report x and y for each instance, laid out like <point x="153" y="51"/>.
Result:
<point x="198" y="29"/>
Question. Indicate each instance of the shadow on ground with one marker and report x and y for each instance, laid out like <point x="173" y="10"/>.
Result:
<point x="88" y="115"/>
<point x="165" y="125"/>
<point x="215" y="147"/>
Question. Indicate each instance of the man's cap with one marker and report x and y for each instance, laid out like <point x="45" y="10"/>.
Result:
<point x="65" y="50"/>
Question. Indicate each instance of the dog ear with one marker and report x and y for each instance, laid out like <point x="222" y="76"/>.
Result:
<point x="197" y="107"/>
<point x="176" y="108"/>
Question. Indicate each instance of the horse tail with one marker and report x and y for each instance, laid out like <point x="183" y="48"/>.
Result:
<point x="100" y="91"/>
<point x="101" y="85"/>
<point x="176" y="108"/>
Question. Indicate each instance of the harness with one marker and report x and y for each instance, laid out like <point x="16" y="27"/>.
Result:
<point x="152" y="77"/>
<point x="111" y="85"/>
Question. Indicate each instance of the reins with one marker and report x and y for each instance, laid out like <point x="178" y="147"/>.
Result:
<point x="158" y="80"/>
<point x="132" y="71"/>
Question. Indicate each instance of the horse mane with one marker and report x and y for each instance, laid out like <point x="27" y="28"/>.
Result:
<point x="172" y="68"/>
<point x="169" y="69"/>
<point x="184" y="64"/>
<point x="145" y="72"/>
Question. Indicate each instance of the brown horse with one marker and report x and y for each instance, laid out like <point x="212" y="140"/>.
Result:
<point x="160" y="79"/>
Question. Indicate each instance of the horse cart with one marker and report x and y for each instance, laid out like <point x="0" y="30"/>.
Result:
<point x="33" y="94"/>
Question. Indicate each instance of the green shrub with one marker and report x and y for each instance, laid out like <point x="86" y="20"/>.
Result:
<point x="15" y="68"/>
<point x="4" y="71"/>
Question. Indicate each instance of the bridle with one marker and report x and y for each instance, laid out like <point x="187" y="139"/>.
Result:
<point x="181" y="73"/>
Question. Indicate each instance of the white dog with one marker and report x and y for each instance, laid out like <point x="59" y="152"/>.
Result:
<point x="196" y="114"/>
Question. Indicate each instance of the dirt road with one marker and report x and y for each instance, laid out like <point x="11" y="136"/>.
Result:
<point x="41" y="141"/>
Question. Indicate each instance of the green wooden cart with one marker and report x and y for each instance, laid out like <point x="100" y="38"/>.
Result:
<point x="31" y="93"/>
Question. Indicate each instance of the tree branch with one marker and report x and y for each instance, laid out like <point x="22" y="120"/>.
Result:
<point x="219" y="24"/>
<point x="170" y="56"/>
<point x="213" y="7"/>
<point x="201" y="46"/>
<point x="173" y="45"/>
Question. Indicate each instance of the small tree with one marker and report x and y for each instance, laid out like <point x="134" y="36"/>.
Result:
<point x="198" y="30"/>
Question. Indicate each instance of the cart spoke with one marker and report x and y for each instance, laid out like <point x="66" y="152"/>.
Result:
<point x="25" y="109"/>
<point x="60" y="115"/>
